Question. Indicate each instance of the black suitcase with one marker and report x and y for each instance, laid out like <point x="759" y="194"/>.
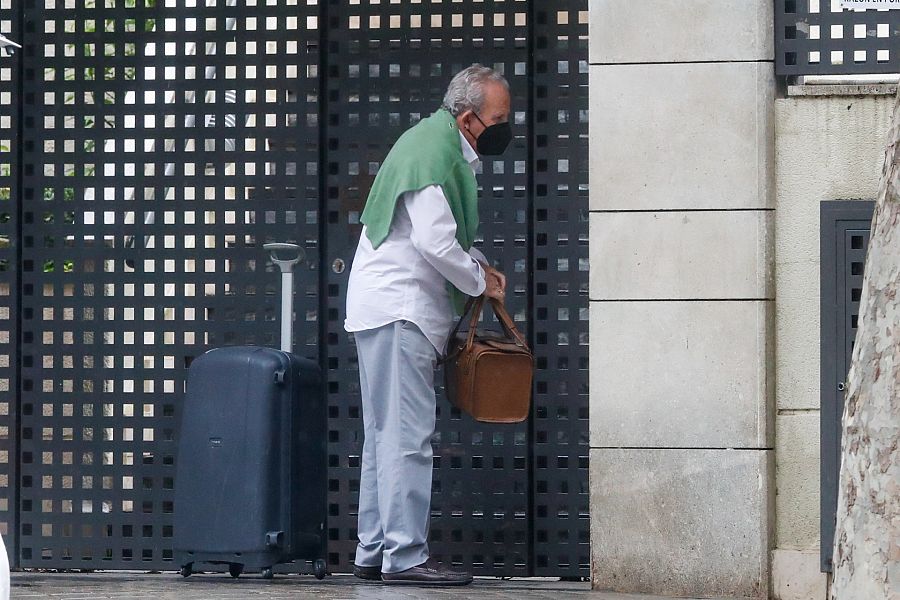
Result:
<point x="250" y="481"/>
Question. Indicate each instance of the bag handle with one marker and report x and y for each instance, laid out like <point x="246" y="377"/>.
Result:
<point x="476" y="305"/>
<point x="469" y="303"/>
<point x="473" y="322"/>
<point x="506" y="321"/>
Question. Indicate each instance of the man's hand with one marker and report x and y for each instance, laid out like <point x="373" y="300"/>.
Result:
<point x="495" y="283"/>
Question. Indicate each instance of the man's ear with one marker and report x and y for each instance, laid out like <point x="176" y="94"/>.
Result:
<point x="464" y="119"/>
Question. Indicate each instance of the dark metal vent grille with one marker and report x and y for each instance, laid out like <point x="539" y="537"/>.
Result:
<point x="846" y="229"/>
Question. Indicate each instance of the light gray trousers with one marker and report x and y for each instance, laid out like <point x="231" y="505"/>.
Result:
<point x="396" y="375"/>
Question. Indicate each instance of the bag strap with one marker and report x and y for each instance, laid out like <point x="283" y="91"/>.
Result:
<point x="506" y="321"/>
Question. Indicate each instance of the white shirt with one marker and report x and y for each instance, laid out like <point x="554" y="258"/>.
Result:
<point x="405" y="277"/>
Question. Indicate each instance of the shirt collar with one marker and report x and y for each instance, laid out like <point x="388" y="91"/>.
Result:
<point x="468" y="152"/>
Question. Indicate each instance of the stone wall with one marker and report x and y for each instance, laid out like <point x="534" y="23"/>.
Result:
<point x="705" y="199"/>
<point x="828" y="147"/>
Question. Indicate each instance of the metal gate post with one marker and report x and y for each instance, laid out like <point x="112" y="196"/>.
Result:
<point x="558" y="237"/>
<point x="11" y="108"/>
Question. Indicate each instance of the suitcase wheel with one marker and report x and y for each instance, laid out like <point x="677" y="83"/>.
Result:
<point x="187" y="569"/>
<point x="235" y="569"/>
<point x="319" y="569"/>
<point x="267" y="573"/>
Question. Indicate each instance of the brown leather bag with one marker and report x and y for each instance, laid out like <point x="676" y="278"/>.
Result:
<point x="489" y="374"/>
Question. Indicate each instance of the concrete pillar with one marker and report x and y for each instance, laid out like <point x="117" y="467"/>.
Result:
<point x="681" y="144"/>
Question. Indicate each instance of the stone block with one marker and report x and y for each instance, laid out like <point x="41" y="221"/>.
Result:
<point x="796" y="576"/>
<point x="671" y="31"/>
<point x="797" y="455"/>
<point x="828" y="148"/>
<point x="681" y="374"/>
<point x="681" y="522"/>
<point x="797" y="321"/>
<point x="682" y="136"/>
<point x="707" y="255"/>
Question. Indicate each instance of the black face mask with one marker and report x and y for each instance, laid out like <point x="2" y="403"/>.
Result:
<point x="494" y="139"/>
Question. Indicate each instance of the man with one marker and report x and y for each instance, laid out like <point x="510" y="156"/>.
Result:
<point x="414" y="265"/>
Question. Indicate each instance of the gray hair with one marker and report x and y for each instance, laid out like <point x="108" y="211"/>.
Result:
<point x="466" y="89"/>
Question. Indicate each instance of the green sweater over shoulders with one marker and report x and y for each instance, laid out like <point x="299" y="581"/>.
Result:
<point x="427" y="154"/>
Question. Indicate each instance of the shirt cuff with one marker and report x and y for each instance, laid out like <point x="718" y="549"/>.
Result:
<point x="482" y="284"/>
<point x="477" y="255"/>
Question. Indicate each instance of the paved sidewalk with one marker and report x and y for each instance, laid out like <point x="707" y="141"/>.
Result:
<point x="170" y="586"/>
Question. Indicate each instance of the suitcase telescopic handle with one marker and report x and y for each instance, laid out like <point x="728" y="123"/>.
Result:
<point x="287" y="287"/>
<point x="286" y="264"/>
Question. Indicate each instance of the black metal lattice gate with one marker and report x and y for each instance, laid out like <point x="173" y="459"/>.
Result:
<point x="148" y="148"/>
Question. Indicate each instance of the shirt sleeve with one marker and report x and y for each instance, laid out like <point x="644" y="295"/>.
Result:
<point x="478" y="255"/>
<point x="434" y="236"/>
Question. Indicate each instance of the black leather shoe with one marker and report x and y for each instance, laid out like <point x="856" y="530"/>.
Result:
<point x="428" y="573"/>
<point x="367" y="573"/>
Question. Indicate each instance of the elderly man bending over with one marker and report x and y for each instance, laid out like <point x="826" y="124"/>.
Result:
<point x="413" y="267"/>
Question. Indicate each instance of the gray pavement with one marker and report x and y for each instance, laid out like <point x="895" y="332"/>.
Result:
<point x="166" y="586"/>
